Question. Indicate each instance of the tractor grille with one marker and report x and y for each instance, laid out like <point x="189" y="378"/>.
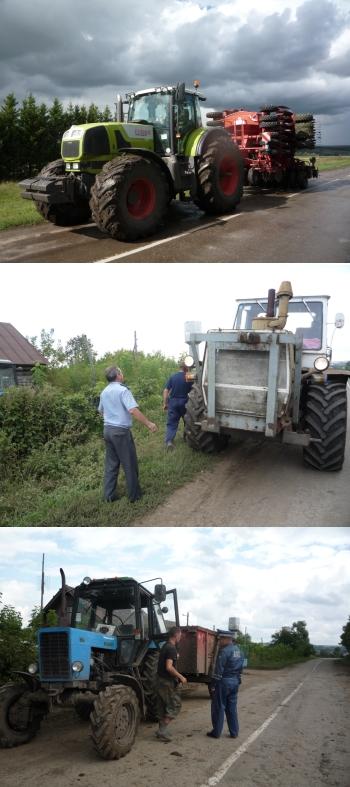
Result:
<point x="70" y="149"/>
<point x="54" y="655"/>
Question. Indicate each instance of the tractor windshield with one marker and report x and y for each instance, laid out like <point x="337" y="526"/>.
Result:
<point x="117" y="610"/>
<point x="304" y="319"/>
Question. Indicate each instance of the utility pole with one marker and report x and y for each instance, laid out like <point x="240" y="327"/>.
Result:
<point x="135" y="343"/>
<point x="42" y="584"/>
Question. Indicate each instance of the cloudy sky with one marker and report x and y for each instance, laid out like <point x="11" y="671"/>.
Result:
<point x="108" y="302"/>
<point x="267" y="577"/>
<point x="244" y="52"/>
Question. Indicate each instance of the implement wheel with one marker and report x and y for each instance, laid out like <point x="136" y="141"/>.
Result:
<point x="19" y="720"/>
<point x="325" y="418"/>
<point x="220" y="176"/>
<point x="114" y="721"/>
<point x="66" y="215"/>
<point x="129" y="197"/>
<point x="148" y="677"/>
<point x="207" y="442"/>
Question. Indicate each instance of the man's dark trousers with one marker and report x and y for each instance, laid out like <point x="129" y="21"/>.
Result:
<point x="224" y="702"/>
<point x="176" y="410"/>
<point x="120" y="450"/>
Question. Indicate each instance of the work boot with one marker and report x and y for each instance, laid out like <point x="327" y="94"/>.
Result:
<point x="163" y="734"/>
<point x="170" y="446"/>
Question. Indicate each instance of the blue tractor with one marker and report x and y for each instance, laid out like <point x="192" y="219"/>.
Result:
<point x="101" y="659"/>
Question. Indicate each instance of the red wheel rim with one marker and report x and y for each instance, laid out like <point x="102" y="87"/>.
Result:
<point x="228" y="176"/>
<point x="141" y="198"/>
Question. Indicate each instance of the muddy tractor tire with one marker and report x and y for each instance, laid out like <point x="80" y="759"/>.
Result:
<point x="325" y="419"/>
<point x="114" y="722"/>
<point x="207" y="442"/>
<point x="148" y="677"/>
<point x="62" y="215"/>
<point x="19" y="721"/>
<point x="129" y="198"/>
<point x="220" y="176"/>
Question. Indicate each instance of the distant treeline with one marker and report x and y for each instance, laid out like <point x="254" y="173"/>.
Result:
<point x="30" y="133"/>
<point x="332" y="150"/>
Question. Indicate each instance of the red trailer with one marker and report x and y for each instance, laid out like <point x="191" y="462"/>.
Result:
<point x="268" y="140"/>
<point x="198" y="649"/>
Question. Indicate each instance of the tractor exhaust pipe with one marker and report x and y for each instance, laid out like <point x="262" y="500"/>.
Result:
<point x="119" y="109"/>
<point x="63" y="609"/>
<point x="269" y="322"/>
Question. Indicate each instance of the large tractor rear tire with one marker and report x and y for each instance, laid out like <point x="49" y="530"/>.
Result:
<point x="207" y="442"/>
<point x="129" y="197"/>
<point x="114" y="722"/>
<point x="149" y="676"/>
<point x="19" y="721"/>
<point x="220" y="176"/>
<point x="66" y="215"/>
<point x="325" y="418"/>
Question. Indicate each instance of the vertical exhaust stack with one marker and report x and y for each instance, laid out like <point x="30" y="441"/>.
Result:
<point x="270" y="322"/>
<point x="119" y="109"/>
<point x="63" y="610"/>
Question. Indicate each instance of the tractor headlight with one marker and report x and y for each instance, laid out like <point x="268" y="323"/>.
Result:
<point x="321" y="363"/>
<point x="189" y="361"/>
<point x="76" y="165"/>
<point x="77" y="666"/>
<point x="86" y="581"/>
<point x="67" y="166"/>
<point x="33" y="668"/>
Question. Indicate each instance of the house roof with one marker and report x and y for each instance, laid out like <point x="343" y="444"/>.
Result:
<point x="15" y="348"/>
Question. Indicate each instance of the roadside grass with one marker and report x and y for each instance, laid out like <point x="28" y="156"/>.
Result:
<point x="76" y="498"/>
<point x="324" y="163"/>
<point x="14" y="210"/>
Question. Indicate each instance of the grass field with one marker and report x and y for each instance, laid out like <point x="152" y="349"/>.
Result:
<point x="75" y="497"/>
<point x="16" y="212"/>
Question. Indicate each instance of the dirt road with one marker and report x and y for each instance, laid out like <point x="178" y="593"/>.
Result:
<point x="311" y="225"/>
<point x="259" y="483"/>
<point x="305" y="740"/>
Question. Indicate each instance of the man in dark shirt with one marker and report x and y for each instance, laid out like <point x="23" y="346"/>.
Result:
<point x="168" y="678"/>
<point x="224" y="686"/>
<point x="175" y="397"/>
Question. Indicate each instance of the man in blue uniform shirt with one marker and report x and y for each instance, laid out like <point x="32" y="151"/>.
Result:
<point x="175" y="397"/>
<point x="118" y="407"/>
<point x="224" y="686"/>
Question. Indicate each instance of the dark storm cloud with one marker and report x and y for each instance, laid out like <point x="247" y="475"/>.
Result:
<point x="86" y="49"/>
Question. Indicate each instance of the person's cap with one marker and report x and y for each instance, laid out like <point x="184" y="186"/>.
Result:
<point x="223" y="633"/>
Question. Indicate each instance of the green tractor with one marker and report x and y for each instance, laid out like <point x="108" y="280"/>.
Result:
<point x="123" y="174"/>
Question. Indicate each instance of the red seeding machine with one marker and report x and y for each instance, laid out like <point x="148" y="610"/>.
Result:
<point x="268" y="140"/>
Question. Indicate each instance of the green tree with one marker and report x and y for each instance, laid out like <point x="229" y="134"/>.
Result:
<point x="79" y="349"/>
<point x="46" y="345"/>
<point x="345" y="636"/>
<point x="56" y="125"/>
<point x="33" y="135"/>
<point x="16" y="645"/>
<point x="295" y="637"/>
<point x="9" y="138"/>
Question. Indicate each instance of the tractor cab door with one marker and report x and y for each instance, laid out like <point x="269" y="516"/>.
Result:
<point x="187" y="119"/>
<point x="165" y="615"/>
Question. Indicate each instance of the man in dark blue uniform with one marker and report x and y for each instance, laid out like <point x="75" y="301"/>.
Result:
<point x="175" y="397"/>
<point x="224" y="686"/>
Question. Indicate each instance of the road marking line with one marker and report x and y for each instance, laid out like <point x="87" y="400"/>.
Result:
<point x="216" y="223"/>
<point x="226" y="765"/>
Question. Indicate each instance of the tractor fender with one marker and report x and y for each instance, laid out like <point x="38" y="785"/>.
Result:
<point x="338" y="375"/>
<point x="200" y="142"/>
<point x="31" y="680"/>
<point x="152" y="156"/>
<point x="133" y="683"/>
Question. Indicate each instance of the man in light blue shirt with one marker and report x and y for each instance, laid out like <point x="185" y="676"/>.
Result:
<point x="118" y="407"/>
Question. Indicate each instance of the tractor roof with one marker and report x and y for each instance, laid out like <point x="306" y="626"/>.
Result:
<point x="167" y="90"/>
<point x="295" y="298"/>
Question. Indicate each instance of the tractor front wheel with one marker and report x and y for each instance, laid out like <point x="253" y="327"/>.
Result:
<point x="67" y="214"/>
<point x="114" y="721"/>
<point x="129" y="197"/>
<point x="220" y="176"/>
<point x="148" y="676"/>
<point x="19" y="720"/>
<point x="207" y="442"/>
<point x="325" y="418"/>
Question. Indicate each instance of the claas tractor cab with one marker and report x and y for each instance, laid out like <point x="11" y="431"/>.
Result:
<point x="101" y="659"/>
<point x="271" y="375"/>
<point x="124" y="173"/>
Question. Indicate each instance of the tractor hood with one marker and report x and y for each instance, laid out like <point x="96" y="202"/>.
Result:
<point x="61" y="647"/>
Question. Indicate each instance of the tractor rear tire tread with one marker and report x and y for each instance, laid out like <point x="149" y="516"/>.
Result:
<point x="206" y="442"/>
<point x="148" y="676"/>
<point x="10" y="737"/>
<point x="325" y="418"/>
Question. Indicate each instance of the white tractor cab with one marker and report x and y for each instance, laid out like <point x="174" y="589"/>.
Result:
<point x="271" y="374"/>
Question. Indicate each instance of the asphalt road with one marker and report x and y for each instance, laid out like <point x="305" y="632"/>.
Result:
<point x="306" y="226"/>
<point x="294" y="732"/>
<point x="257" y="482"/>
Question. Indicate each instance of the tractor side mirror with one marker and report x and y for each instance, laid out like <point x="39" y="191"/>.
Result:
<point x="160" y="593"/>
<point x="180" y="92"/>
<point x="339" y="320"/>
<point x="165" y="610"/>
